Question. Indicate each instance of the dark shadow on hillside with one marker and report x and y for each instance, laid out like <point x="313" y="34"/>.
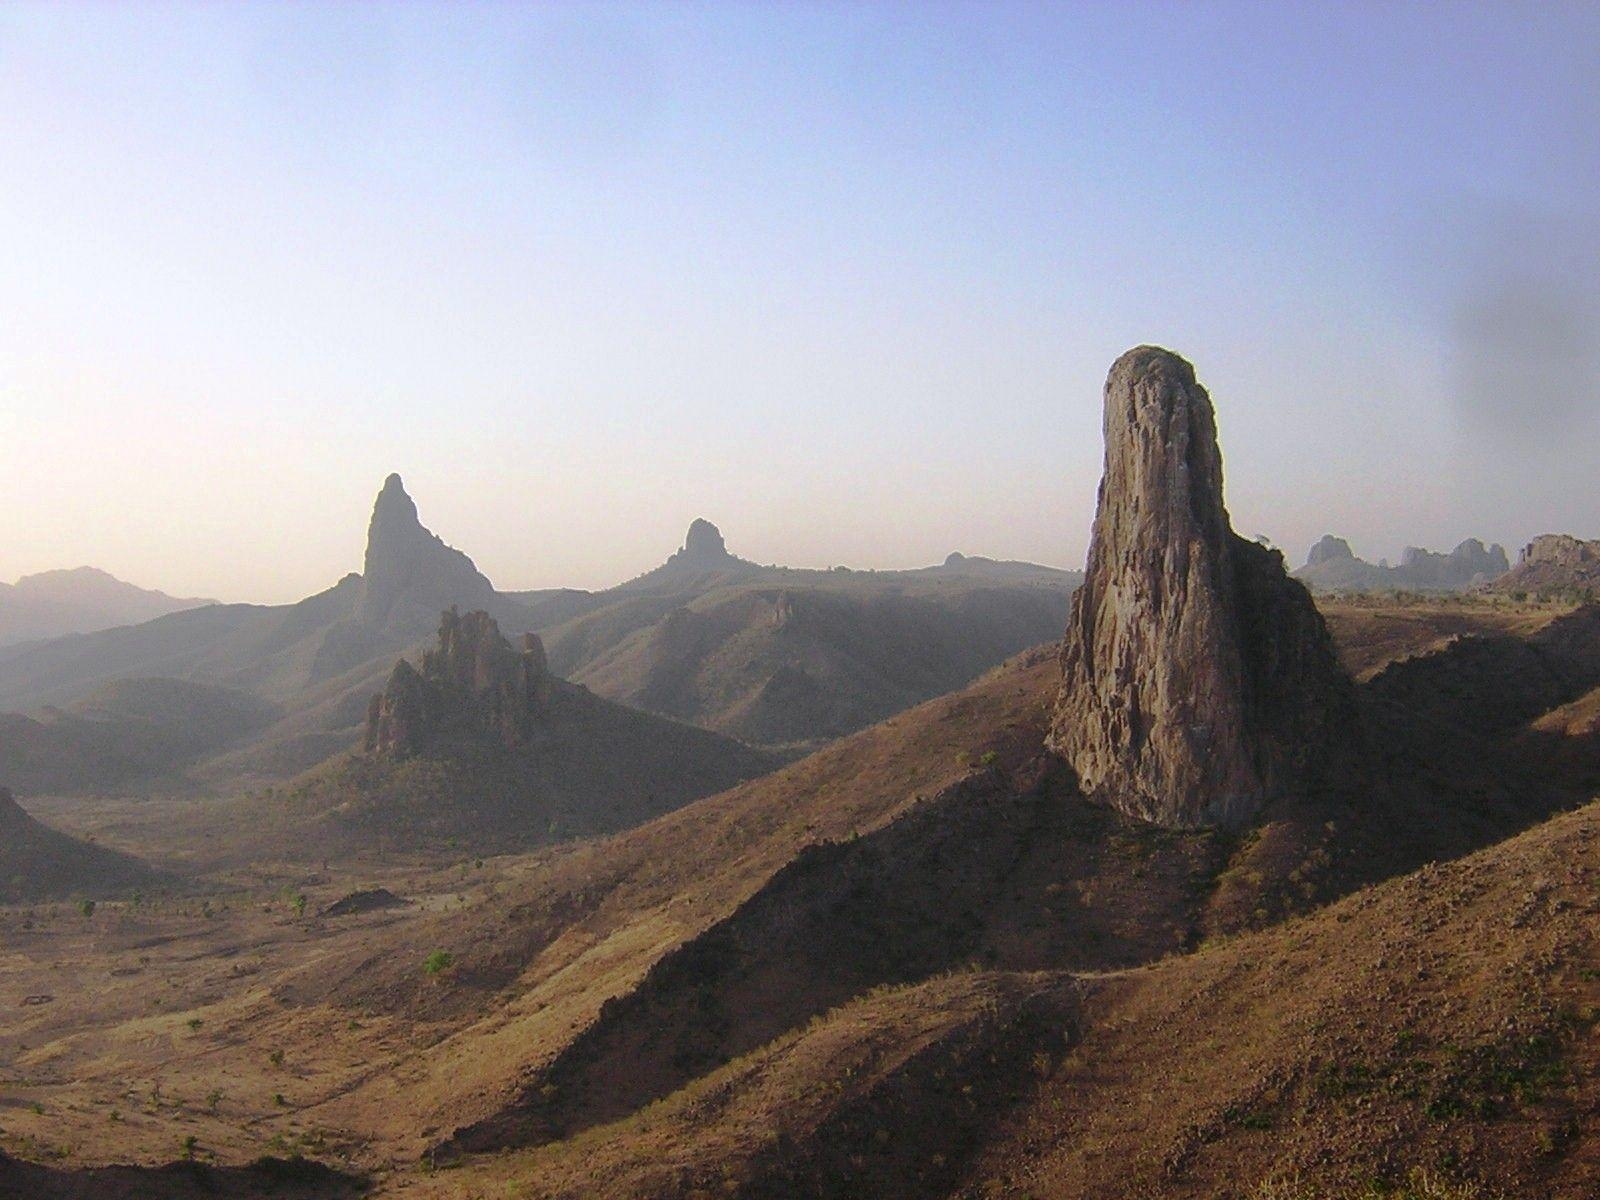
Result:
<point x="280" y="1179"/>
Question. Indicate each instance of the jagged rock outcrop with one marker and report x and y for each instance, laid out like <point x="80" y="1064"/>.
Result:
<point x="1469" y="563"/>
<point x="470" y="685"/>
<point x="408" y="567"/>
<point x="1555" y="562"/>
<point x="1332" y="566"/>
<point x="1199" y="680"/>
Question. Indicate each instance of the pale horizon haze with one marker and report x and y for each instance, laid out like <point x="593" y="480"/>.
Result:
<point x="844" y="279"/>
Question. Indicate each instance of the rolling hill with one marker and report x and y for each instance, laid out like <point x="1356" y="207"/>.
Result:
<point x="133" y="734"/>
<point x="54" y="604"/>
<point x="40" y="863"/>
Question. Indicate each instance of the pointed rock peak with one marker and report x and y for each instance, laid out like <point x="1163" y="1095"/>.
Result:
<point x="404" y="561"/>
<point x="394" y="522"/>
<point x="1198" y="679"/>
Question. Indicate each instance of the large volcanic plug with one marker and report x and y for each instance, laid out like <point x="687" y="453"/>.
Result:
<point x="1199" y="680"/>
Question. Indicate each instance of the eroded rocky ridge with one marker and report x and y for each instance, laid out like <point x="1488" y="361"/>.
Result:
<point x="1331" y="566"/>
<point x="1199" y="680"/>
<point x="1555" y="562"/>
<point x="470" y="685"/>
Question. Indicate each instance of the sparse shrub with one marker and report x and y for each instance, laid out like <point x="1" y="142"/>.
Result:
<point x="189" y="1144"/>
<point x="1418" y="1185"/>
<point x="86" y="908"/>
<point x="194" y="1023"/>
<point x="438" y="962"/>
<point x="276" y="1058"/>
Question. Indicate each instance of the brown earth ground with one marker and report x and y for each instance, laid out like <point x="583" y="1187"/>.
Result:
<point x="1442" y="1020"/>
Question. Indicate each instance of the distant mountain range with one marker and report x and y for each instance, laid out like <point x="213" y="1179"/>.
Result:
<point x="56" y="603"/>
<point x="775" y="656"/>
<point x="1332" y="566"/>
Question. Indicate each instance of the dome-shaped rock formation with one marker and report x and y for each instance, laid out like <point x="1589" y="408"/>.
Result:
<point x="1329" y="549"/>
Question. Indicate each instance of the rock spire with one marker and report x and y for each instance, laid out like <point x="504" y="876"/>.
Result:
<point x="472" y="684"/>
<point x="409" y="567"/>
<point x="1199" y="680"/>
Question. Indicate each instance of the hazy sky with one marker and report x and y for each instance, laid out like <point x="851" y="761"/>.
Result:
<point x="845" y="279"/>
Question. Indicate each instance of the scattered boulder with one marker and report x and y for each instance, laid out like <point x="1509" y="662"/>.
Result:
<point x="365" y="901"/>
<point x="1199" y="680"/>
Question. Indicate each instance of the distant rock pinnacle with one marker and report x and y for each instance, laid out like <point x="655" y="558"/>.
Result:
<point x="703" y="547"/>
<point x="1199" y="680"/>
<point x="406" y="563"/>
<point x="471" y="684"/>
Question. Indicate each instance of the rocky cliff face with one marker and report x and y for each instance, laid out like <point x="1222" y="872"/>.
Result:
<point x="471" y="685"/>
<point x="1555" y="562"/>
<point x="1199" y="680"/>
<point x="409" y="568"/>
<point x="1470" y="562"/>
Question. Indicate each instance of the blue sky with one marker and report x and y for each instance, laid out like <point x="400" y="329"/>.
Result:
<point x="845" y="279"/>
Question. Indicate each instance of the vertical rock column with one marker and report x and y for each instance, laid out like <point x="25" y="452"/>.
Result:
<point x="1198" y="678"/>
